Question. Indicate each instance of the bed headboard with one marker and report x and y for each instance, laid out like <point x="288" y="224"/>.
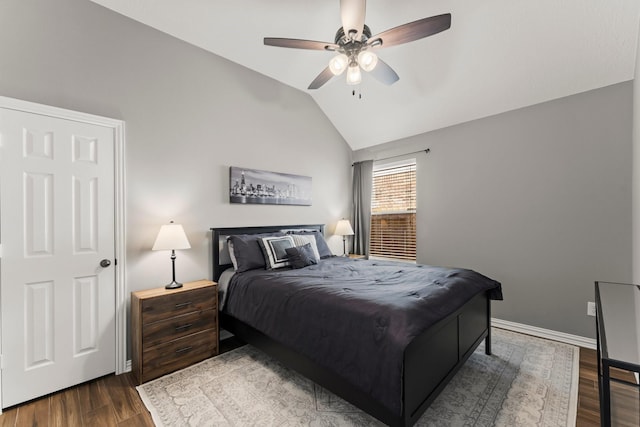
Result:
<point x="220" y="250"/>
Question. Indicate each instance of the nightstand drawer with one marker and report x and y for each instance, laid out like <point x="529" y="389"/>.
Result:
<point x="176" y="327"/>
<point x="177" y="354"/>
<point x="171" y="305"/>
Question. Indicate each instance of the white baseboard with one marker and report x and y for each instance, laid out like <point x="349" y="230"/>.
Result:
<point x="545" y="333"/>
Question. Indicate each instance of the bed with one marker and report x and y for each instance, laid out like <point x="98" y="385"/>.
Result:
<point x="343" y="324"/>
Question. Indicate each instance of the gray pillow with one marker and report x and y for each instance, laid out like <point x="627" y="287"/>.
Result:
<point x="301" y="256"/>
<point x="247" y="254"/>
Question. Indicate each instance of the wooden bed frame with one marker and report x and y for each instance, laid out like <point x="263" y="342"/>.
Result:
<point x="430" y="360"/>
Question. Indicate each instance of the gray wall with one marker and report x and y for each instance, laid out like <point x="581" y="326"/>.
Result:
<point x="537" y="198"/>
<point x="189" y="116"/>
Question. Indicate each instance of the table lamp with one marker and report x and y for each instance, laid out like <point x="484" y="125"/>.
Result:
<point x="343" y="228"/>
<point x="171" y="237"/>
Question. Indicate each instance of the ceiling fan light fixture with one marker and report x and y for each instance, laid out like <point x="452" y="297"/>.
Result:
<point x="367" y="60"/>
<point x="354" y="76"/>
<point x="338" y="64"/>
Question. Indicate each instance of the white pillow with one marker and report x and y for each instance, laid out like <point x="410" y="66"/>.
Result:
<point x="232" y="255"/>
<point x="303" y="239"/>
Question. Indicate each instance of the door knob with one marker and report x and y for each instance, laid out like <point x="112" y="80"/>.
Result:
<point x="105" y="263"/>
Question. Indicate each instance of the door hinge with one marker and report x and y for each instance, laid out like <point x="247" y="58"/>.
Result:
<point x="115" y="260"/>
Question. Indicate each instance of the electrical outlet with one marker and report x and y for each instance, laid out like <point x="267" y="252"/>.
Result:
<point x="591" y="308"/>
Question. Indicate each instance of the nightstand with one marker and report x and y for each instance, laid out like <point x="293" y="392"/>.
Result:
<point x="173" y="328"/>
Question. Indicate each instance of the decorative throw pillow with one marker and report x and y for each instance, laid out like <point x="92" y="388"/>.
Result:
<point x="301" y="256"/>
<point x="301" y="240"/>
<point x="247" y="254"/>
<point x="323" y="248"/>
<point x="274" y="250"/>
<point x="232" y="254"/>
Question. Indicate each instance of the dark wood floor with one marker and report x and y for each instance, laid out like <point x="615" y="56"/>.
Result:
<point x="588" y="400"/>
<point x="114" y="401"/>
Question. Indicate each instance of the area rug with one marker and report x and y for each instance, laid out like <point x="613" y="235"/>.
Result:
<point x="527" y="381"/>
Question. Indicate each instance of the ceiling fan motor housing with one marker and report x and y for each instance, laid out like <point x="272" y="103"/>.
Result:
<point x="350" y="46"/>
<point x="341" y="38"/>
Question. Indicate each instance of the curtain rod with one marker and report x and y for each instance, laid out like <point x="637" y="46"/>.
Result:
<point x="426" y="151"/>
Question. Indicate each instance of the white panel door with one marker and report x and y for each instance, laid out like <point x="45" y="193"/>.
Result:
<point x="56" y="225"/>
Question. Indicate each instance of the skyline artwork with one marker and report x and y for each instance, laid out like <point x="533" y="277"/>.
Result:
<point x="254" y="186"/>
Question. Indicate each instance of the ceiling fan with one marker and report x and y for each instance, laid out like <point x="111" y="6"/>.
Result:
<point x="354" y="44"/>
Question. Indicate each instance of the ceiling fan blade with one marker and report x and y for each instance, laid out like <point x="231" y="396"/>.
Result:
<point x="322" y="78"/>
<point x="352" y="13"/>
<point x="412" y="31"/>
<point x="299" y="44"/>
<point x="384" y="73"/>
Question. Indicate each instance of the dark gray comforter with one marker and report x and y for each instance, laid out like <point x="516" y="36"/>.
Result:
<point x="354" y="316"/>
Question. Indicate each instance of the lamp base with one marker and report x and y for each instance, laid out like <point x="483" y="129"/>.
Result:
<point x="173" y="285"/>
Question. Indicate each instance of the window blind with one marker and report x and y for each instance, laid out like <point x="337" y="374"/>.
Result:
<point x="393" y="212"/>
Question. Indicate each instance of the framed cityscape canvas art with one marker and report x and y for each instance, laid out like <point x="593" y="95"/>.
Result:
<point x="253" y="186"/>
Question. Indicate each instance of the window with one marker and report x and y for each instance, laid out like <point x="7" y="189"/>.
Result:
<point x="393" y="211"/>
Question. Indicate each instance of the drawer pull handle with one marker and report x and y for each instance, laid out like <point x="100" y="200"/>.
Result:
<point x="184" y="304"/>
<point x="182" y="350"/>
<point x="187" y="326"/>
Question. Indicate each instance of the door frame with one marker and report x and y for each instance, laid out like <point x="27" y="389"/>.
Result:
<point x="118" y="127"/>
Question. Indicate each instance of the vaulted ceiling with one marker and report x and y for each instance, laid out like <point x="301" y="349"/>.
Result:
<point x="498" y="55"/>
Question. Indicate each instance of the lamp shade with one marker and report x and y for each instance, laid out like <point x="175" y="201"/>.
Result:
<point x="343" y="228"/>
<point x="171" y="236"/>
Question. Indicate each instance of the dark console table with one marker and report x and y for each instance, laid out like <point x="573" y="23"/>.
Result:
<point x="618" y="346"/>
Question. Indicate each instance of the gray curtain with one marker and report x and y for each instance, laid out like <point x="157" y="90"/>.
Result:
<point x="362" y="183"/>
